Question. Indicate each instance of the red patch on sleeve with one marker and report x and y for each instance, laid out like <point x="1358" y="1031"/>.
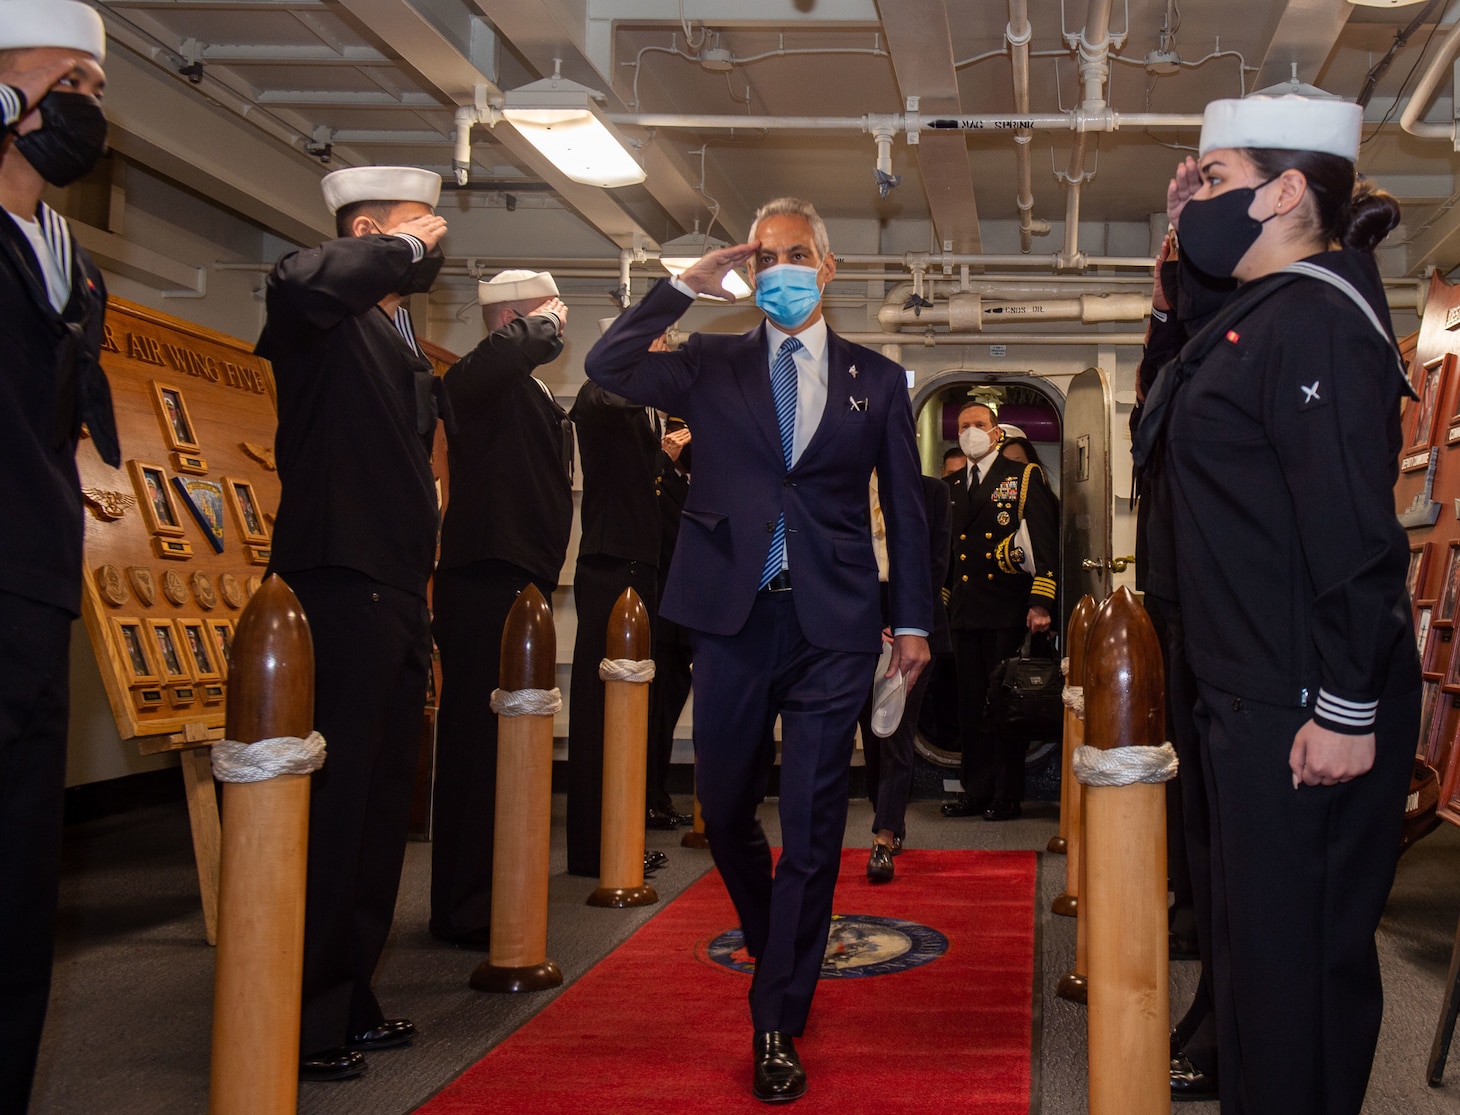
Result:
<point x="1233" y="336"/>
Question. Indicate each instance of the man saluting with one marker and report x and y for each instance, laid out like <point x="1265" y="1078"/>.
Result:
<point x="775" y="577"/>
<point x="355" y="539"/>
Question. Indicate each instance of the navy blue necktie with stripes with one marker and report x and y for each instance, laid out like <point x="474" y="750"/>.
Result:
<point x="783" y="390"/>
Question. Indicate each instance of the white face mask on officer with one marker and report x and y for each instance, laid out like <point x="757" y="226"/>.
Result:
<point x="975" y="443"/>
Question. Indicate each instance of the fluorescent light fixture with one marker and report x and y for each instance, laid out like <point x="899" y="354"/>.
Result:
<point x="685" y="251"/>
<point x="560" y="119"/>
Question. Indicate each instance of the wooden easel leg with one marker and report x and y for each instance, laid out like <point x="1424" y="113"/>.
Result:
<point x="197" y="772"/>
<point x="1445" y="1029"/>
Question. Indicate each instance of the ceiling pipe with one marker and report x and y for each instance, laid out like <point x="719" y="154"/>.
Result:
<point x="969" y="313"/>
<point x="1094" y="50"/>
<point x="1105" y="119"/>
<point x="1424" y="92"/>
<point x="1018" y="33"/>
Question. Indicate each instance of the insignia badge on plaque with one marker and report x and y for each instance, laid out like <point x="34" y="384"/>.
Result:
<point x="204" y="498"/>
<point x="229" y="589"/>
<point x="109" y="584"/>
<point x="173" y="587"/>
<point x="143" y="584"/>
<point x="203" y="591"/>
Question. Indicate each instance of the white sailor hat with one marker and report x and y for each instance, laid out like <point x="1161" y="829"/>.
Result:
<point x="516" y="286"/>
<point x="61" y="23"/>
<point x="379" y="183"/>
<point x="1288" y="123"/>
<point x="1011" y="430"/>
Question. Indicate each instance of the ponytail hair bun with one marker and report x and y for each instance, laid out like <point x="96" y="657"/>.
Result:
<point x="1373" y="214"/>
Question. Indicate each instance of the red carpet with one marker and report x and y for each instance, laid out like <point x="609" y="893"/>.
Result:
<point x="950" y="1035"/>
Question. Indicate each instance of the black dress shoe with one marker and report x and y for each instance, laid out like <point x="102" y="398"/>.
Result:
<point x="479" y="940"/>
<point x="897" y="845"/>
<point x="391" y="1032"/>
<point x="779" y="1077"/>
<point x="654" y="859"/>
<point x="1002" y="811"/>
<point x="682" y="820"/>
<point x="1189" y="1083"/>
<point x="879" y="864"/>
<point x="965" y="806"/>
<point x="658" y="819"/>
<point x="331" y="1064"/>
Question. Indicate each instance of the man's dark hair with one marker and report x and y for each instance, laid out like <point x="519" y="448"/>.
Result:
<point x="955" y="451"/>
<point x="377" y="211"/>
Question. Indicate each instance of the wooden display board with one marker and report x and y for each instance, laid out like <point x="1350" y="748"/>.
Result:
<point x="178" y="539"/>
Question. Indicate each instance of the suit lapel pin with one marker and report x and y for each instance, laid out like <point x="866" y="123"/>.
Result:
<point x="852" y="371"/>
<point x="858" y="404"/>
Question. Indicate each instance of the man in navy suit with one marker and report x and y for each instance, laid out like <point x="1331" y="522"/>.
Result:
<point x="775" y="578"/>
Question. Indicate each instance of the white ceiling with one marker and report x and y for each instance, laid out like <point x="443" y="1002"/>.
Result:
<point x="379" y="81"/>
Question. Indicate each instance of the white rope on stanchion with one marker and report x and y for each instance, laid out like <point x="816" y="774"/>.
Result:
<point x="1074" y="698"/>
<point x="527" y="702"/>
<point x="626" y="669"/>
<point x="1124" y="766"/>
<point x="268" y="758"/>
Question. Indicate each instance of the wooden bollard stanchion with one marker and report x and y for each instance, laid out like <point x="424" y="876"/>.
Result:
<point x="1074" y="735"/>
<point x="625" y="756"/>
<point x="695" y="837"/>
<point x="1074" y="985"/>
<point x="525" y="704"/>
<point x="1123" y="767"/>
<point x="260" y="964"/>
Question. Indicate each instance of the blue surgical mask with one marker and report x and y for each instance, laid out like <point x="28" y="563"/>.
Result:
<point x="787" y="293"/>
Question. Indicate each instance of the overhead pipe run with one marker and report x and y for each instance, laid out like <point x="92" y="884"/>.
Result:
<point x="1424" y="92"/>
<point x="1018" y="34"/>
<point x="971" y="313"/>
<point x="1094" y="50"/>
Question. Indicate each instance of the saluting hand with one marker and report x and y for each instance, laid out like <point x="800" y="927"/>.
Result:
<point x="707" y="275"/>
<point x="428" y="229"/>
<point x="36" y="83"/>
<point x="1181" y="190"/>
<point x="553" y="307"/>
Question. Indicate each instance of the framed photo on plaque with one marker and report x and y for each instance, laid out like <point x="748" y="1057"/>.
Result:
<point x="222" y="632"/>
<point x="1429" y="386"/>
<point x="1449" y="588"/>
<point x="169" y="655"/>
<point x="133" y="647"/>
<point x="198" y="646"/>
<point x="172" y="414"/>
<point x="252" y="526"/>
<point x="1419" y="564"/>
<point x="156" y="498"/>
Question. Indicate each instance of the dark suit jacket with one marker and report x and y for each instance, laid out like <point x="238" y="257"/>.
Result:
<point x="51" y="383"/>
<point x="985" y="592"/>
<point x="721" y="386"/>
<point x="620" y="453"/>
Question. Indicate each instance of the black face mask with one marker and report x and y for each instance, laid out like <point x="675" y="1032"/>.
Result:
<point x="420" y="278"/>
<point x="1217" y="233"/>
<point x="70" y="140"/>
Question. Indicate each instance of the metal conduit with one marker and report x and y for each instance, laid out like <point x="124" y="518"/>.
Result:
<point x="1438" y="70"/>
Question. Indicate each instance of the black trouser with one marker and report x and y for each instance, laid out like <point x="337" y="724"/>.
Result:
<point x="470" y="606"/>
<point x="889" y="760"/>
<point x="1188" y="830"/>
<point x="1299" y="881"/>
<point x="993" y="764"/>
<point x="34" y="688"/>
<point x="667" y="694"/>
<point x="372" y="648"/>
<point x="598" y="582"/>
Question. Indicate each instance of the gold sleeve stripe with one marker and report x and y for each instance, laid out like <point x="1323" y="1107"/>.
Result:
<point x="1043" y="586"/>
